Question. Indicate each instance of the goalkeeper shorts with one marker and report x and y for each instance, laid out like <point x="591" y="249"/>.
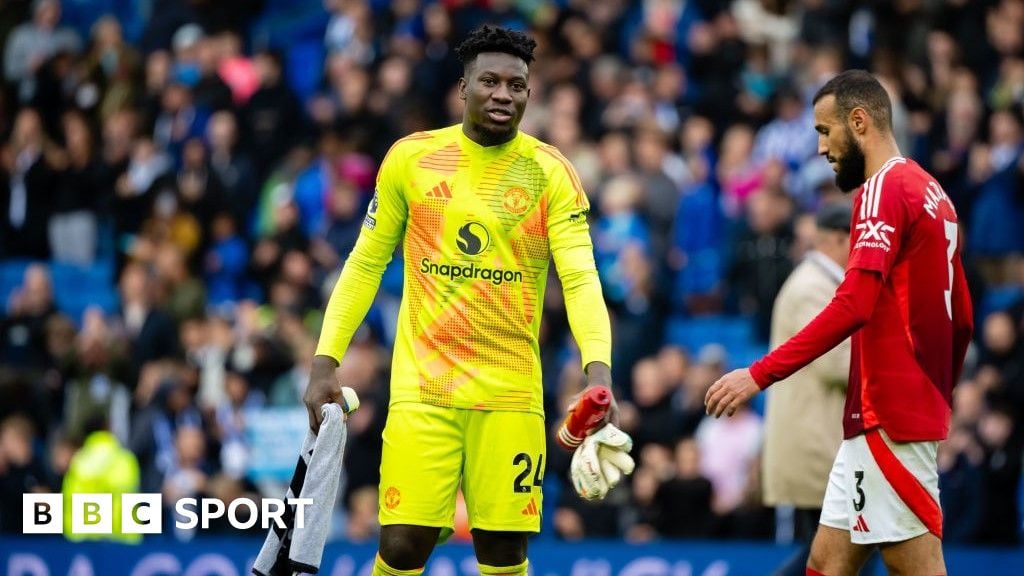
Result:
<point x="498" y="456"/>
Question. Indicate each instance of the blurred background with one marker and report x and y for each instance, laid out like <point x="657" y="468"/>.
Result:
<point x="182" y="181"/>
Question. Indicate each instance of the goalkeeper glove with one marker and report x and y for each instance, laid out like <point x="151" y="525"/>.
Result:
<point x="600" y="462"/>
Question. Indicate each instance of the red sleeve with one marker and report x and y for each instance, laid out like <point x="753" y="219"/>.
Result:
<point x="880" y="219"/>
<point x="848" y="311"/>
<point x="963" y="320"/>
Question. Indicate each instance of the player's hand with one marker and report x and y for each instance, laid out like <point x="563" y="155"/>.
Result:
<point x="600" y="462"/>
<point x="730" y="392"/>
<point x="599" y="374"/>
<point x="613" y="411"/>
<point x="323" y="388"/>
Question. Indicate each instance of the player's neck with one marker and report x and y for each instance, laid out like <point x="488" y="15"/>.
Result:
<point x="878" y="153"/>
<point x="487" y="139"/>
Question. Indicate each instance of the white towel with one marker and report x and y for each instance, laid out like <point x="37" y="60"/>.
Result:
<point x="291" y="550"/>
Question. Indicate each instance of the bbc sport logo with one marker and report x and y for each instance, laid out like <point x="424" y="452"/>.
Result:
<point x="143" y="513"/>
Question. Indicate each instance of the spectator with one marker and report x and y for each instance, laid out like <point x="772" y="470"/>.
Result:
<point x="150" y="331"/>
<point x="361" y="522"/>
<point x="803" y="413"/>
<point x="729" y="450"/>
<point x="737" y="173"/>
<point x="179" y="293"/>
<point x="225" y="263"/>
<point x="73" y="228"/>
<point x="230" y="424"/>
<point x="178" y="120"/>
<point x="165" y="407"/>
<point x="684" y="502"/>
<point x="27" y="189"/>
<point x="33" y="43"/>
<point x="200" y="192"/>
<point x="96" y="375"/>
<point x="1000" y="524"/>
<point x="762" y="256"/>
<point x="619" y="225"/>
<point x="655" y="419"/>
<point x="102" y="465"/>
<point x="233" y="169"/>
<point x="212" y="93"/>
<point x="236" y="69"/>
<point x="111" y="71"/>
<point x="21" y="470"/>
<point x="344" y="222"/>
<point x="189" y="472"/>
<point x="23" y="327"/>
<point x="961" y="480"/>
<point x="135" y="181"/>
<point x="272" y="117"/>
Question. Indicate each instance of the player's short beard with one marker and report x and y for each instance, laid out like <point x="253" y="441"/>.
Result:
<point x="851" y="165"/>
<point x="494" y="136"/>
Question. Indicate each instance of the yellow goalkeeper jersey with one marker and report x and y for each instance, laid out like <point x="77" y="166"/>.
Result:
<point x="479" y="226"/>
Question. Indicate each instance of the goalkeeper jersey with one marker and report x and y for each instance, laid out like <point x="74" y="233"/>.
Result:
<point x="479" y="226"/>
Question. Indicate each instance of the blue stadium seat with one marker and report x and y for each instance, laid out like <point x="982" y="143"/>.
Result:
<point x="75" y="288"/>
<point x="11" y="273"/>
<point x="284" y="23"/>
<point x="303" y="77"/>
<point x="999" y="298"/>
<point x="735" y="333"/>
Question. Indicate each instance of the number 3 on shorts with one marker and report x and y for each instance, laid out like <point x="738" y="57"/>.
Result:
<point x="858" y="504"/>
<point x="518" y="485"/>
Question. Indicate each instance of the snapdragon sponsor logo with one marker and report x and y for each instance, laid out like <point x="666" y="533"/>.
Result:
<point x="471" y="271"/>
<point x="143" y="513"/>
<point x="472" y="239"/>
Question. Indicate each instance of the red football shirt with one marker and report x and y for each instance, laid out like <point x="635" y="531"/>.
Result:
<point x="902" y="361"/>
<point x="904" y="301"/>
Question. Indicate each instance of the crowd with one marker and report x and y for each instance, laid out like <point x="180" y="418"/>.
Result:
<point x="218" y="163"/>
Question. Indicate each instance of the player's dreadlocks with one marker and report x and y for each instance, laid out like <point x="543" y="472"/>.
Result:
<point x="493" y="39"/>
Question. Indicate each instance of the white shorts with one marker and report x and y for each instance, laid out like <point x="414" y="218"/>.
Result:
<point x="883" y="491"/>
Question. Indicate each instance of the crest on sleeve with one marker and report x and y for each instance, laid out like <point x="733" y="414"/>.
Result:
<point x="371" y="213"/>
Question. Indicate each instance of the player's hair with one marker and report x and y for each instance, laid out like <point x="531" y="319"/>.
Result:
<point x="859" y="89"/>
<point x="494" y="39"/>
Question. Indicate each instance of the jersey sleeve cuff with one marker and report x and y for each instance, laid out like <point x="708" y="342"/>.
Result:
<point x="760" y="376"/>
<point x="322" y="349"/>
<point x="596" y="352"/>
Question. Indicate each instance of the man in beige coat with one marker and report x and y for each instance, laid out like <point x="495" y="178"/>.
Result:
<point x="804" y="413"/>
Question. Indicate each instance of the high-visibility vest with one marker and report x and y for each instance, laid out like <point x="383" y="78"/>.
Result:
<point x="101" y="466"/>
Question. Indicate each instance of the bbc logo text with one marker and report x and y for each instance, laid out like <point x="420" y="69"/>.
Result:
<point x="142" y="513"/>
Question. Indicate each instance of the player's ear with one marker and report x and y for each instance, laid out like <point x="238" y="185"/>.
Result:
<point x="462" y="88"/>
<point x="859" y="120"/>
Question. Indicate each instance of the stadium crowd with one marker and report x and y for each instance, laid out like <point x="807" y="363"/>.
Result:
<point x="212" y="162"/>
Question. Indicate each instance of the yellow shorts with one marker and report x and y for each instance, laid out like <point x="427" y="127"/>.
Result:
<point x="498" y="456"/>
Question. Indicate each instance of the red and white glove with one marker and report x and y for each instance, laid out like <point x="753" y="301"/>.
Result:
<point x="600" y="462"/>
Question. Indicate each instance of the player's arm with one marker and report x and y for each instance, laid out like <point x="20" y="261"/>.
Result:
<point x="357" y="286"/>
<point x="879" y="225"/>
<point x="963" y="319"/>
<point x="573" y="253"/>
<point x="850" y="309"/>
<point x="833" y="367"/>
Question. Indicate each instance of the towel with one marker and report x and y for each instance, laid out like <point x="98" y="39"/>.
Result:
<point x="292" y="550"/>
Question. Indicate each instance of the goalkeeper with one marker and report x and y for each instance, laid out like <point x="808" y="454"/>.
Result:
<point x="480" y="209"/>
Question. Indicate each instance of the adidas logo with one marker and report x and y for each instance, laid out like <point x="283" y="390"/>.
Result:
<point x="861" y="525"/>
<point x="440" y="191"/>
<point x="531" y="509"/>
